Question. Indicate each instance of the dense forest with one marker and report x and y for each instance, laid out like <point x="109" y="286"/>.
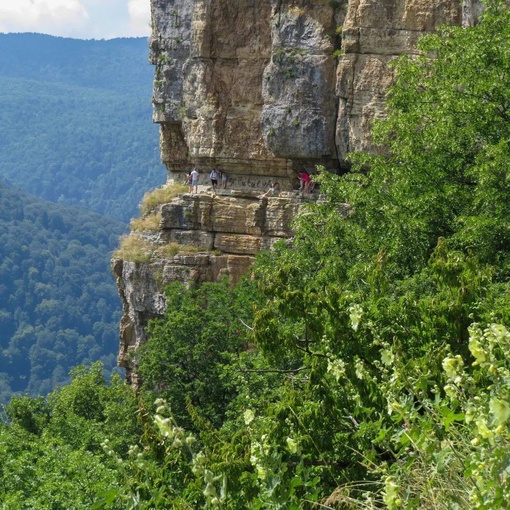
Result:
<point x="75" y="121"/>
<point x="75" y="132"/>
<point x="58" y="301"/>
<point x="366" y="366"/>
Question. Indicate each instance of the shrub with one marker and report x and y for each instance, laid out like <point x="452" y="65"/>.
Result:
<point x="452" y="446"/>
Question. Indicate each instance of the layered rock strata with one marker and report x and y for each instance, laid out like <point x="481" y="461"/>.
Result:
<point x="212" y="235"/>
<point x="260" y="89"/>
<point x="247" y="86"/>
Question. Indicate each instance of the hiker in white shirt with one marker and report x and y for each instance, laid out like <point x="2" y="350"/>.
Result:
<point x="194" y="179"/>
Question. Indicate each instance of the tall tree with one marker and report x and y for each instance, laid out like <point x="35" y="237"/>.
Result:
<point x="384" y="280"/>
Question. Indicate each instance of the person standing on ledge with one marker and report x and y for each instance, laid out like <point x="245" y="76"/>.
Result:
<point x="214" y="178"/>
<point x="304" y="181"/>
<point x="224" y="179"/>
<point x="189" y="181"/>
<point x="194" y="179"/>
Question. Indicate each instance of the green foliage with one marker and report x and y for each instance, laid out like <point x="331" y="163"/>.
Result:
<point x="166" y="473"/>
<point x="30" y="413"/>
<point x="60" y="464"/>
<point x="91" y="140"/>
<point x="364" y="394"/>
<point x="377" y="298"/>
<point x="187" y="357"/>
<point x="90" y="144"/>
<point x="453" y="446"/>
<point x="87" y="411"/>
<point x="447" y="135"/>
<point x="369" y="368"/>
<point x="58" y="302"/>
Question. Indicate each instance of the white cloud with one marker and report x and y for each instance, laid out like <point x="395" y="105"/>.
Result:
<point x="140" y="15"/>
<point x="57" y="17"/>
<point x="77" y="18"/>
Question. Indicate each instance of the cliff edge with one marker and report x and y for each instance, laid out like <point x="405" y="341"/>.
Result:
<point x="260" y="89"/>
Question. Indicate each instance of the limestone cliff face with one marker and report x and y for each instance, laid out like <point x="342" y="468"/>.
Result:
<point x="260" y="89"/>
<point x="252" y="86"/>
<point x="373" y="34"/>
<point x="209" y="236"/>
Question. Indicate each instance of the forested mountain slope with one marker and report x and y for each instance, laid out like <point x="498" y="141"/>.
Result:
<point x="75" y="121"/>
<point x="58" y="303"/>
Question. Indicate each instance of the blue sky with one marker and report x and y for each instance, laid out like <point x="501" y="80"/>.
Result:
<point x="81" y="19"/>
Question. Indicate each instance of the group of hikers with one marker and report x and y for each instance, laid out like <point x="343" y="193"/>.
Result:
<point x="215" y="176"/>
<point x="306" y="184"/>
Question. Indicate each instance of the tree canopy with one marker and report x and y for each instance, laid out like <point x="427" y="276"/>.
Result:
<point x="76" y="121"/>
<point x="75" y="130"/>
<point x="59" y="305"/>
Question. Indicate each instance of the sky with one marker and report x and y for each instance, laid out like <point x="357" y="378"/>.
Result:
<point x="80" y="19"/>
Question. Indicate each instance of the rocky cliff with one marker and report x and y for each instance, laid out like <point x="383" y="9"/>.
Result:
<point x="259" y="89"/>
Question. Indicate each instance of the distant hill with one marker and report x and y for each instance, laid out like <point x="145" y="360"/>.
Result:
<point x="58" y="301"/>
<point x="75" y="121"/>
<point x="119" y="65"/>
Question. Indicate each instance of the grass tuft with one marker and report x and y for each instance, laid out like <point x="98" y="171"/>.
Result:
<point x="134" y="249"/>
<point x="150" y="222"/>
<point x="159" y="196"/>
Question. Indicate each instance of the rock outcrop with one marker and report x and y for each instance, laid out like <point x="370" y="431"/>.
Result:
<point x="260" y="89"/>
<point x="201" y="237"/>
